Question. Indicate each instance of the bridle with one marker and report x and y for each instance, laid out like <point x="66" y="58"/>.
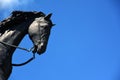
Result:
<point x="30" y="50"/>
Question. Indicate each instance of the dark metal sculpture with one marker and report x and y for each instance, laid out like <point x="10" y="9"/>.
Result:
<point x="12" y="30"/>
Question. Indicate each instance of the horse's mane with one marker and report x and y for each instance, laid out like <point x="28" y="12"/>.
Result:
<point x="18" y="17"/>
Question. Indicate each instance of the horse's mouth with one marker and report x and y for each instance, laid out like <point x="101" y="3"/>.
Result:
<point x="41" y="48"/>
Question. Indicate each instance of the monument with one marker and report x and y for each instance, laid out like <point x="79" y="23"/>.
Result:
<point x="13" y="29"/>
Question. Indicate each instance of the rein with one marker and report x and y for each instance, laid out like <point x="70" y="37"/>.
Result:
<point x="29" y="60"/>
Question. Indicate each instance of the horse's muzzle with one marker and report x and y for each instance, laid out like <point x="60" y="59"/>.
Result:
<point x="41" y="48"/>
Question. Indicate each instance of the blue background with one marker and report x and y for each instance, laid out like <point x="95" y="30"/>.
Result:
<point x="84" y="44"/>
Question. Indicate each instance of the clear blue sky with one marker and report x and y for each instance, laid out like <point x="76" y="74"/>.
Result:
<point x="84" y="44"/>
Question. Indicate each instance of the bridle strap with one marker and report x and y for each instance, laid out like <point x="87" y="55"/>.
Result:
<point x="29" y="60"/>
<point x="17" y="46"/>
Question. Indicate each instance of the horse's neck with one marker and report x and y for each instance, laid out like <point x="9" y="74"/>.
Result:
<point x="13" y="36"/>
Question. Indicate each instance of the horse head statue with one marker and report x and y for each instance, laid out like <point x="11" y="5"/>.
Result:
<point x="12" y="30"/>
<point x="39" y="32"/>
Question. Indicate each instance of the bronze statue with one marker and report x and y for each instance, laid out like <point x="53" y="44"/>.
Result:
<point x="12" y="30"/>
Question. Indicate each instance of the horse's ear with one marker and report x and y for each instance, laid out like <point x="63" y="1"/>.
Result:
<point x="48" y="16"/>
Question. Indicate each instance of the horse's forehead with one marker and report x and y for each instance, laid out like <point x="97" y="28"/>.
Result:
<point x="41" y="21"/>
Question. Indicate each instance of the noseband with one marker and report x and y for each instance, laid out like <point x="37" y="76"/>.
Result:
<point x="31" y="50"/>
